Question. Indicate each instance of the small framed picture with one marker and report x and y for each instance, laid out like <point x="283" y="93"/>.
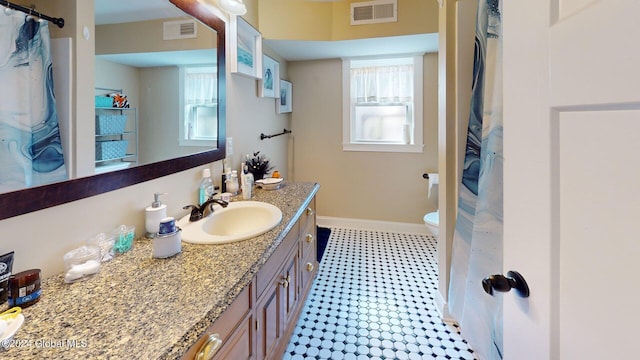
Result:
<point x="269" y="85"/>
<point x="246" y="48"/>
<point x="283" y="104"/>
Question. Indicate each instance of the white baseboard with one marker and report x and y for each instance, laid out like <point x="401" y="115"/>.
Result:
<point x="375" y="225"/>
<point x="443" y="308"/>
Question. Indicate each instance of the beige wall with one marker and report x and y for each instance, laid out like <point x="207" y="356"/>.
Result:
<point x="146" y="36"/>
<point x="249" y="115"/>
<point x="414" y="17"/>
<point x="358" y="185"/>
<point x="111" y="75"/>
<point x="158" y="115"/>
<point x="307" y="20"/>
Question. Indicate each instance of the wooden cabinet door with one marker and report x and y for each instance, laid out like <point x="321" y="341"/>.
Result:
<point x="269" y="319"/>
<point x="239" y="346"/>
<point x="291" y="290"/>
<point x="276" y="306"/>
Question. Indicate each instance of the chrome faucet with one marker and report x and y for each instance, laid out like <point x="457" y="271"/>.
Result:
<point x="197" y="212"/>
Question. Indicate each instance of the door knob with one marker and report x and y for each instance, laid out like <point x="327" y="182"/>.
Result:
<point x="502" y="283"/>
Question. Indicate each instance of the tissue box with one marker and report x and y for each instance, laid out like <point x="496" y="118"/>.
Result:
<point x="110" y="124"/>
<point x="112" y="149"/>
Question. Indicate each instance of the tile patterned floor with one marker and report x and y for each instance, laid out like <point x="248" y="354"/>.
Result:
<point x="373" y="298"/>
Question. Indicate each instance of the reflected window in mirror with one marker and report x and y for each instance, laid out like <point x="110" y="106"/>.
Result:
<point x="199" y="104"/>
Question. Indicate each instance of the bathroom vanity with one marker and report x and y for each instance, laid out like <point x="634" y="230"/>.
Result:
<point x="258" y="324"/>
<point x="249" y="293"/>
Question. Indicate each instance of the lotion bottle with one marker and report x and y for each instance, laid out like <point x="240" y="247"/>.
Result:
<point x="154" y="215"/>
<point x="247" y="183"/>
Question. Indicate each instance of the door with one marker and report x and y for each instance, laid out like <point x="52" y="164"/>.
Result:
<point x="571" y="198"/>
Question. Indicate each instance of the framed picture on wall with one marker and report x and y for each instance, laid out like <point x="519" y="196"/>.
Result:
<point x="269" y="85"/>
<point x="246" y="48"/>
<point x="283" y="104"/>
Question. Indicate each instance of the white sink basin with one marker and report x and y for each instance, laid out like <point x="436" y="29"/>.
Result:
<point x="240" y="220"/>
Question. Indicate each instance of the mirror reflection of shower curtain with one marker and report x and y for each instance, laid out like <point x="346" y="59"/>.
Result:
<point x="477" y="243"/>
<point x="30" y="147"/>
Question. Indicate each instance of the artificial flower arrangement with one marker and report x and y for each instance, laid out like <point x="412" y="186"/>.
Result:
<point x="258" y="165"/>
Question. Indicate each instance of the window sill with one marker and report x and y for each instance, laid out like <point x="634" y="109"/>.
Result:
<point x="392" y="148"/>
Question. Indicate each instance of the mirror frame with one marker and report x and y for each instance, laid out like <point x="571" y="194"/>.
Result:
<point x="37" y="198"/>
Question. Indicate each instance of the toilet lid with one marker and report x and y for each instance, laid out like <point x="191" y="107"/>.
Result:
<point x="432" y="218"/>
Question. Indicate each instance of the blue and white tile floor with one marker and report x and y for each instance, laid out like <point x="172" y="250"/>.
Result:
<point x="373" y="298"/>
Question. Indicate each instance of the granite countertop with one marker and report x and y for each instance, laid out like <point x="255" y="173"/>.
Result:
<point x="139" y="307"/>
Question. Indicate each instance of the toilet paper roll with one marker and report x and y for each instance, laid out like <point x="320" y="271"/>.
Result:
<point x="434" y="180"/>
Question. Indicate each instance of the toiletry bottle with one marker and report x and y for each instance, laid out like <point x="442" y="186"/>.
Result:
<point x="247" y="183"/>
<point x="205" y="190"/>
<point x="232" y="183"/>
<point x="154" y="214"/>
<point x="241" y="177"/>
<point x="225" y="169"/>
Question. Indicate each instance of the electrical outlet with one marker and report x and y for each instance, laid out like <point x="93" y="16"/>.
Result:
<point x="229" y="146"/>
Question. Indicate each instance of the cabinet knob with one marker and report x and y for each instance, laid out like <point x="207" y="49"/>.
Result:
<point x="285" y="282"/>
<point x="210" y="347"/>
<point x="309" y="267"/>
<point x="309" y="238"/>
<point x="309" y="211"/>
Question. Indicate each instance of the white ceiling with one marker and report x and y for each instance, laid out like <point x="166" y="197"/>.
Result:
<point x="314" y="50"/>
<point x="119" y="11"/>
<point x="164" y="58"/>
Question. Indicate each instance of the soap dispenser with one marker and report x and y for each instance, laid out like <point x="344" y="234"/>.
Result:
<point x="154" y="215"/>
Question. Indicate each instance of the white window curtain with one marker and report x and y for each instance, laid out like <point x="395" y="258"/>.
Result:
<point x="382" y="84"/>
<point x="200" y="99"/>
<point x="200" y="89"/>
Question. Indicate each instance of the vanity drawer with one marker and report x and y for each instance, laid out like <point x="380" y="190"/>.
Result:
<point x="275" y="261"/>
<point x="226" y="323"/>
<point x="308" y="215"/>
<point x="308" y="243"/>
<point x="308" y="270"/>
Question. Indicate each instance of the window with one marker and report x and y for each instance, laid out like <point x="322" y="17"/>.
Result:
<point x="199" y="104"/>
<point x="382" y="105"/>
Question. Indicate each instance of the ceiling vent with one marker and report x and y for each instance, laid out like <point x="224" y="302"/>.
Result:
<point x="373" y="12"/>
<point x="180" y="29"/>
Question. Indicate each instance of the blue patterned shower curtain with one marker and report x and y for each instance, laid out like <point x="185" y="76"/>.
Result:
<point x="477" y="243"/>
<point x="30" y="146"/>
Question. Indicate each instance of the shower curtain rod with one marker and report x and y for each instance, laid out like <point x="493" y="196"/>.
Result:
<point x="57" y="21"/>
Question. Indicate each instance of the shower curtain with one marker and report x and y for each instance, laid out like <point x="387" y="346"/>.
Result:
<point x="477" y="243"/>
<point x="30" y="146"/>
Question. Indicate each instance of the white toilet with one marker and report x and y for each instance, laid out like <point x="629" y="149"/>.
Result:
<point x="431" y="220"/>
